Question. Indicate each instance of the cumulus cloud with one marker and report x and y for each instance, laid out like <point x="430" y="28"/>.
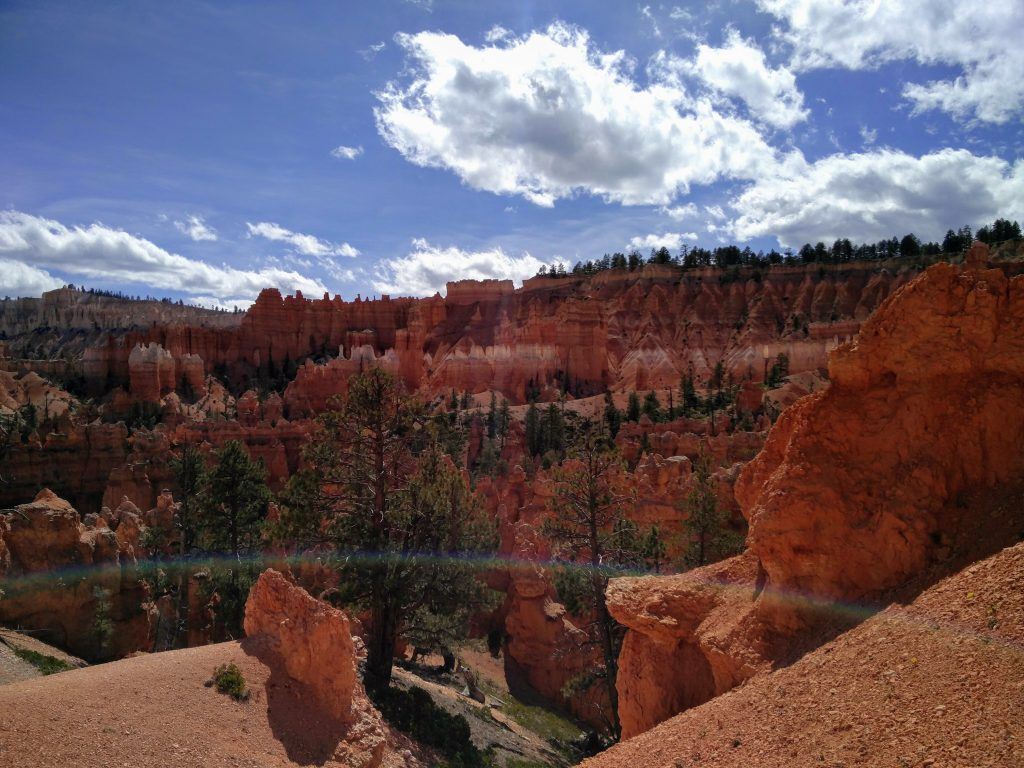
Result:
<point x="679" y="212"/>
<point x="671" y="240"/>
<point x="878" y="194"/>
<point x="739" y="69"/>
<point x="20" y="279"/>
<point x="981" y="39"/>
<point x="101" y="253"/>
<point x="307" y="245"/>
<point x="196" y="228"/>
<point x="427" y="267"/>
<point x="346" y="153"/>
<point x="546" y="116"/>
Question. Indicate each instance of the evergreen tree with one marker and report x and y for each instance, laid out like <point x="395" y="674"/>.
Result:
<point x="705" y="522"/>
<point x="236" y="500"/>
<point x="652" y="406"/>
<point x="399" y="516"/>
<point x="688" y="394"/>
<point x="492" y="417"/>
<point x="778" y="371"/>
<point x="653" y="550"/>
<point x="612" y="415"/>
<point x="554" y="430"/>
<point x="189" y="468"/>
<point x="585" y="527"/>
<point x="910" y="246"/>
<point x="633" y="407"/>
<point x="534" y="436"/>
<point x="102" y="626"/>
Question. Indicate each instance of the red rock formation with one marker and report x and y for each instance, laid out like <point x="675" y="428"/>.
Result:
<point x="77" y="461"/>
<point x="313" y="644"/>
<point x="856" y="491"/>
<point x="929" y="683"/>
<point x="152" y="372"/>
<point x="48" y="537"/>
<point x="621" y="330"/>
<point x="848" y="497"/>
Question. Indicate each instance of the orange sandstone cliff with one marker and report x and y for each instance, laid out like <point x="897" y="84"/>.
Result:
<point x="861" y="488"/>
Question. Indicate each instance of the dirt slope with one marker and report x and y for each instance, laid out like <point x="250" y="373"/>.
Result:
<point x="154" y="710"/>
<point x="939" y="682"/>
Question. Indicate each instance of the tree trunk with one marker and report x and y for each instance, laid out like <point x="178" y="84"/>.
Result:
<point x="606" y="626"/>
<point x="380" y="652"/>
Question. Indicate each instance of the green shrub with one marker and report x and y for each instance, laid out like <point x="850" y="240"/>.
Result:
<point x="227" y="678"/>
<point x="415" y="713"/>
<point x="48" y="665"/>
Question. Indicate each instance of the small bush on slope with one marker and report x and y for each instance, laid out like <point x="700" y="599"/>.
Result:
<point x="48" y="665"/>
<point x="227" y="678"/>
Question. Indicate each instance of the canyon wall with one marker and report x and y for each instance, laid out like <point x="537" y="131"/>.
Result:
<point x="616" y="330"/>
<point x="861" y="487"/>
<point x="74" y="581"/>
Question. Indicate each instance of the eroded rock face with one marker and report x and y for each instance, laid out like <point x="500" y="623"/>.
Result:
<point x="856" y="491"/>
<point x="87" y="573"/>
<point x="690" y="638"/>
<point x="313" y="639"/>
<point x="313" y="643"/>
<point x="636" y="330"/>
<point x="851" y="494"/>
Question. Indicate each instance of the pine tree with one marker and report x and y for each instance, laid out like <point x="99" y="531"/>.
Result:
<point x="633" y="407"/>
<point x="688" y="394"/>
<point x="399" y="516"/>
<point x="236" y="501"/>
<point x="612" y="415"/>
<point x="533" y="432"/>
<point x="652" y="406"/>
<point x="653" y="550"/>
<point x="705" y="522"/>
<point x="585" y="527"/>
<point x="190" y="474"/>
<point x="492" y="417"/>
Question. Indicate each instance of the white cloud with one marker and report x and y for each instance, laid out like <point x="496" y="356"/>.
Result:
<point x="879" y="194"/>
<point x="715" y="212"/>
<point x="426" y="5"/>
<point x="981" y="39"/>
<point x="739" y="70"/>
<point x="196" y="228"/>
<point x="679" y="212"/>
<point x="214" y="303"/>
<point x="425" y="270"/>
<point x="646" y="13"/>
<point x="307" y="245"/>
<point x="101" y="253"/>
<point x="497" y="33"/>
<point x="546" y="116"/>
<point x="370" y="52"/>
<point x="20" y="279"/>
<point x="671" y="240"/>
<point x="346" y="153"/>
<point x="868" y="135"/>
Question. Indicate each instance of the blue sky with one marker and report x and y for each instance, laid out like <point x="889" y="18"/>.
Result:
<point x="202" y="150"/>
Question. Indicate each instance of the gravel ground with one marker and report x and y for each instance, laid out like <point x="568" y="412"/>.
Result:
<point x="937" y="683"/>
<point x="153" y="710"/>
